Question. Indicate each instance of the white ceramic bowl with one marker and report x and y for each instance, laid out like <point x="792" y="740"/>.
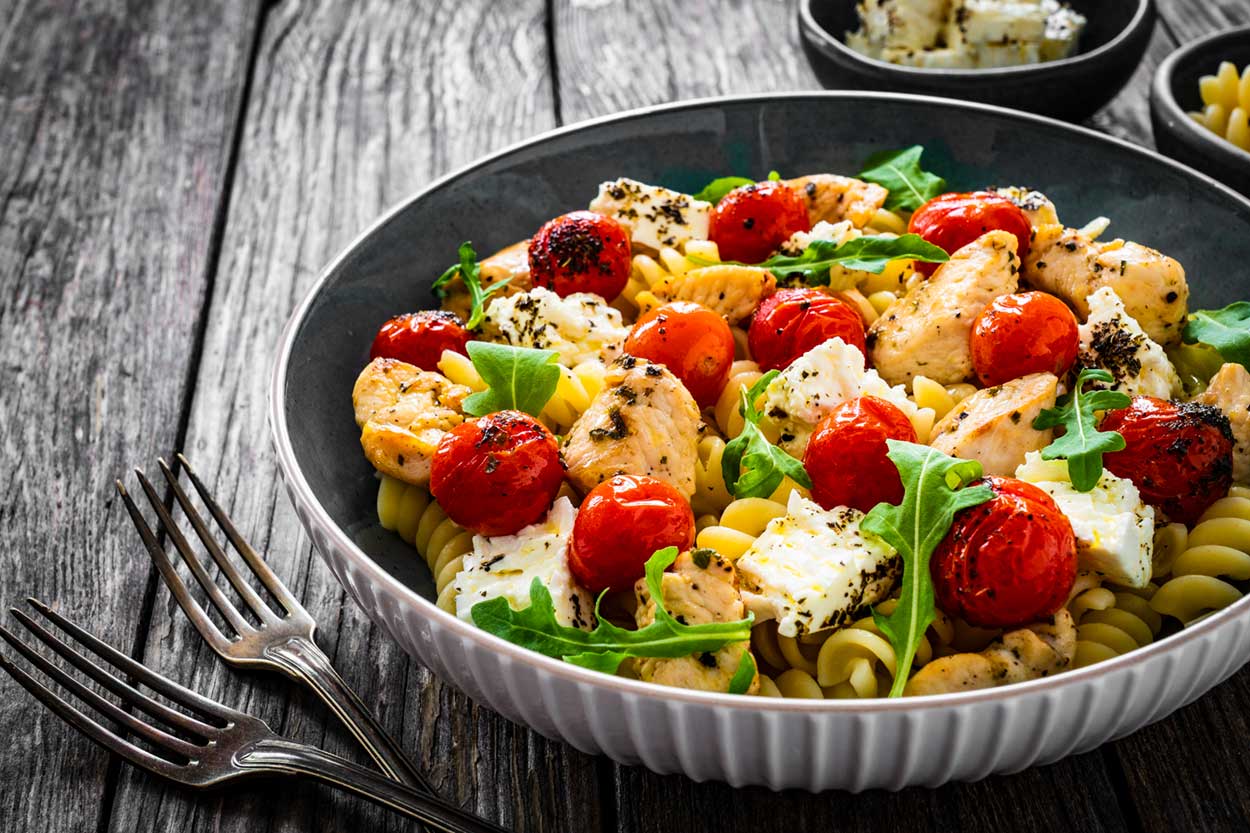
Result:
<point x="814" y="745"/>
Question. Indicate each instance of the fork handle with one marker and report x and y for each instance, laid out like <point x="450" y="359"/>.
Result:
<point x="276" y="754"/>
<point x="303" y="661"/>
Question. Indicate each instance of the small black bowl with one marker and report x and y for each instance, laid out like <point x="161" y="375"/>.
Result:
<point x="1112" y="45"/>
<point x="1175" y="92"/>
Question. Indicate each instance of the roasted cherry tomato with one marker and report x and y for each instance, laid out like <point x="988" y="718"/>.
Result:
<point x="793" y="321"/>
<point x="751" y="222"/>
<point x="420" y="338"/>
<point x="1016" y="335"/>
<point x="620" y="524"/>
<point x="691" y="341"/>
<point x="581" y="252"/>
<point x="496" y="474"/>
<point x="1178" y="454"/>
<point x="846" y="456"/>
<point x="952" y="221"/>
<point x="1009" y="561"/>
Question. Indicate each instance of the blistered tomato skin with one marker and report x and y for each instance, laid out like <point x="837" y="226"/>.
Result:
<point x="846" y="456"/>
<point x="751" y="222"/>
<point x="1008" y="562"/>
<point x="952" y="221"/>
<point x="790" y="322"/>
<point x="1028" y="332"/>
<point x="420" y="338"/>
<point x="1178" y="454"/>
<point x="690" y="340"/>
<point x="497" y="474"/>
<point x="581" y="252"/>
<point x="620" y="524"/>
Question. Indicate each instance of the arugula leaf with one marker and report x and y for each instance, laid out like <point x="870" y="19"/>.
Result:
<point x="766" y="465"/>
<point x="470" y="271"/>
<point x="604" y="648"/>
<point x="935" y="489"/>
<point x="718" y="188"/>
<point x="742" y="678"/>
<point x="899" y="171"/>
<point x="1227" y="330"/>
<point x="870" y="253"/>
<point x="518" y="378"/>
<point x="1082" y="444"/>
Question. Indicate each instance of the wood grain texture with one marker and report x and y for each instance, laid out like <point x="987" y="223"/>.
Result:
<point x="613" y="56"/>
<point x="1128" y="114"/>
<point x="1188" y="20"/>
<point x="353" y="106"/>
<point x="116" y="123"/>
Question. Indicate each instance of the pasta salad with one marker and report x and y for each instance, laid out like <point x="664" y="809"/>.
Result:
<point x="823" y="437"/>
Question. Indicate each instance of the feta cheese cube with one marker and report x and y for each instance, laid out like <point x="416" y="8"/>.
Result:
<point x="506" y="565"/>
<point x="656" y="217"/>
<point x="1113" y="341"/>
<point x="812" y="570"/>
<point x="816" y="383"/>
<point x="1114" y="529"/>
<point x="579" y="327"/>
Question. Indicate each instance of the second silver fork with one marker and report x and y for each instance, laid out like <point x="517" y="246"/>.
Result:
<point x="278" y="643"/>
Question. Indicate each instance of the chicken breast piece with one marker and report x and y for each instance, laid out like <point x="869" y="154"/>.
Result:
<point x="1229" y="391"/>
<point x="729" y="290"/>
<point x="926" y="332"/>
<point x="1035" y="205"/>
<point x="701" y="587"/>
<point x="994" y="426"/>
<point x="403" y="412"/>
<point x="512" y="262"/>
<point x="835" y="198"/>
<point x="1067" y="263"/>
<point x="644" y="422"/>
<point x="1039" y="650"/>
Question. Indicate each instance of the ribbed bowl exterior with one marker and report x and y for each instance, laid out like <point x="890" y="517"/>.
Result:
<point x="764" y="742"/>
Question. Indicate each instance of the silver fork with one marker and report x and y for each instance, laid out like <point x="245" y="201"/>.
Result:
<point x="279" y="643"/>
<point x="215" y="745"/>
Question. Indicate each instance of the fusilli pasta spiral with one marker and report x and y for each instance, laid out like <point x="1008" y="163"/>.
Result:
<point x="575" y="390"/>
<point x="1206" y="560"/>
<point x="409" y="511"/>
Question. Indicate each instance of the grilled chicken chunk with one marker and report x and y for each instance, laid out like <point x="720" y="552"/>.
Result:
<point x="995" y="426"/>
<point x="926" y="332"/>
<point x="835" y="198"/>
<point x="1066" y="263"/>
<point x="1036" y="651"/>
<point x="644" y="422"/>
<point x="512" y="262"/>
<point x="701" y="587"/>
<point x="1229" y="391"/>
<point x="403" y="412"/>
<point x="1035" y="205"/>
<point x="732" y="291"/>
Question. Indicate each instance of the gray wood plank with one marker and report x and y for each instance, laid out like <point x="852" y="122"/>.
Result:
<point x="1128" y="114"/>
<point x="354" y="105"/>
<point x="116" y="126"/>
<point x="638" y="53"/>
<point x="1189" y="20"/>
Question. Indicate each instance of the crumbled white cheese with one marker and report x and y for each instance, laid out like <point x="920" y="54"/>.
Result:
<point x="824" y="230"/>
<point x="813" y="569"/>
<point x="1113" y="341"/>
<point x="506" y="565"/>
<point x="656" y="217"/>
<point x="966" y="34"/>
<point x="579" y="327"/>
<point x="816" y="383"/>
<point x="1114" y="529"/>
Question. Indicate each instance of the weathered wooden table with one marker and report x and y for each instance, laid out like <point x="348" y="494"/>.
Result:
<point x="172" y="176"/>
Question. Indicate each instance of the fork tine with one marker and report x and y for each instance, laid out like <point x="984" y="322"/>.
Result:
<point x="262" y="610"/>
<point x="110" y="710"/>
<point x="173" y="581"/>
<point x="122" y="689"/>
<point x="95" y="731"/>
<point x="219" y="600"/>
<point x="267" y="576"/>
<point x="156" y="682"/>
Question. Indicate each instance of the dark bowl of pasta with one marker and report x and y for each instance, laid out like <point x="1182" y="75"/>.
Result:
<point x="1126" y="645"/>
